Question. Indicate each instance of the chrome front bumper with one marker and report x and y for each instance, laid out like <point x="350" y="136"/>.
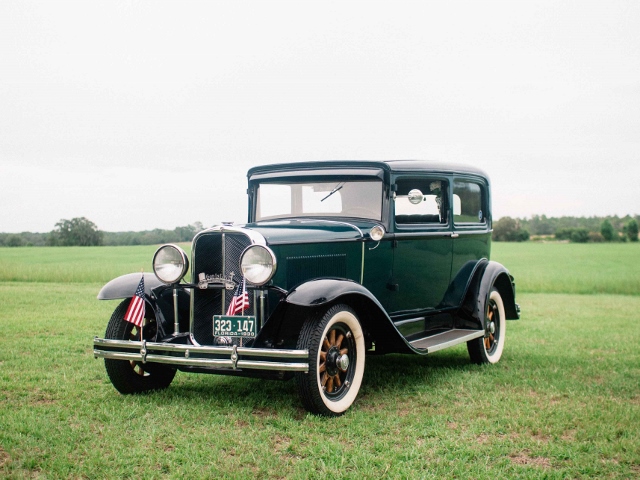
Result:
<point x="241" y="358"/>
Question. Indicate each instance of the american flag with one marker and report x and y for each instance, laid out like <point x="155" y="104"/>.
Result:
<point x="135" y="312"/>
<point x="240" y="301"/>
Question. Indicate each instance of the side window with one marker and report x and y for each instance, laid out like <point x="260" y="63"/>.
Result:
<point x="420" y="201"/>
<point x="468" y="202"/>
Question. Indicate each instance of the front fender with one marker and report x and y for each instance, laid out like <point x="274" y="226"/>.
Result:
<point x="314" y="296"/>
<point x="125" y="286"/>
<point x="325" y="290"/>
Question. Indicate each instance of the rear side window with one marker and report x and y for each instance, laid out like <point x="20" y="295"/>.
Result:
<point x="468" y="202"/>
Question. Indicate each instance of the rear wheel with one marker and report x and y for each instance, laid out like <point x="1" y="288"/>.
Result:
<point x="488" y="349"/>
<point x="132" y="376"/>
<point x="336" y="361"/>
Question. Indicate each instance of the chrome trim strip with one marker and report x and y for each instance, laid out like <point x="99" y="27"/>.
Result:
<point x="399" y="235"/>
<point x="139" y="351"/>
<point x="473" y="232"/>
<point x="409" y="320"/>
<point x="362" y="266"/>
<point x="176" y="322"/>
<point x="442" y="346"/>
<point x="332" y="221"/>
<point x="192" y="300"/>
<point x="212" y="350"/>
<point x="206" y="362"/>
<point x="255" y="237"/>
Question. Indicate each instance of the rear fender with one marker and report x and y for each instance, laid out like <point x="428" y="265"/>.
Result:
<point x="486" y="277"/>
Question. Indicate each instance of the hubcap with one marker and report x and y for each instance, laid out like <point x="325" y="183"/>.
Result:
<point x="343" y="362"/>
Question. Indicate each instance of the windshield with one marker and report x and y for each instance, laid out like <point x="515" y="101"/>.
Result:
<point x="360" y="199"/>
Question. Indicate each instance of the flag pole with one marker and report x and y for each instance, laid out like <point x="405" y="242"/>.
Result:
<point x="141" y="337"/>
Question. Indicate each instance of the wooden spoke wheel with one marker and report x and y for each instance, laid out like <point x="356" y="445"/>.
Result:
<point x="336" y="361"/>
<point x="488" y="349"/>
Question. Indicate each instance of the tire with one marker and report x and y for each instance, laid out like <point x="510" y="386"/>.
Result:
<point x="488" y="349"/>
<point x="129" y="376"/>
<point x="336" y="361"/>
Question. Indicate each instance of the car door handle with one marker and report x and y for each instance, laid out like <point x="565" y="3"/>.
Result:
<point x="455" y="235"/>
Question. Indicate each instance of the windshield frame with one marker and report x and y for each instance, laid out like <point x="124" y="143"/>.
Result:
<point x="358" y="198"/>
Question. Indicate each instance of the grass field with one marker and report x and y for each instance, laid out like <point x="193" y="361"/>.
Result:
<point x="564" y="401"/>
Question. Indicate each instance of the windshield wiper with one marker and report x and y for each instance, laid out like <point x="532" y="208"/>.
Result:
<point x="338" y="187"/>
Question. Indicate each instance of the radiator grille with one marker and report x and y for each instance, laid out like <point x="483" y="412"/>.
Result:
<point x="215" y="253"/>
<point x="300" y="269"/>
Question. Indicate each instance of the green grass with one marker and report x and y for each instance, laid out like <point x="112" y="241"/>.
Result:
<point x="564" y="401"/>
<point x="572" y="268"/>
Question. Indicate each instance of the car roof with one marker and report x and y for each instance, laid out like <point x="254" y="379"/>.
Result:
<point x="392" y="166"/>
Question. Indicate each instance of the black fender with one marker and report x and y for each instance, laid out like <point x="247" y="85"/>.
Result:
<point x="313" y="297"/>
<point x="158" y="297"/>
<point x="487" y="275"/>
<point x="125" y="286"/>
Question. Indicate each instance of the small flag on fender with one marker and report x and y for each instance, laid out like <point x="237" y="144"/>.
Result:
<point x="240" y="301"/>
<point x="135" y="312"/>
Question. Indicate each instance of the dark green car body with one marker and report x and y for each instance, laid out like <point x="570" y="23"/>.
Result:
<point x="402" y="246"/>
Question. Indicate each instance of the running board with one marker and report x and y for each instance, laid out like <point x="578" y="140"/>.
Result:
<point x="446" y="339"/>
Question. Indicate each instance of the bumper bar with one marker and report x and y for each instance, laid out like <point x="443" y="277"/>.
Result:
<point x="203" y="356"/>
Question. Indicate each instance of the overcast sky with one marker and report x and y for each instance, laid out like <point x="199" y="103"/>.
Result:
<point x="147" y="114"/>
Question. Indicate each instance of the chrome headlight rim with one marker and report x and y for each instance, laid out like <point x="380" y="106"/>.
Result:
<point x="182" y="262"/>
<point x="377" y="232"/>
<point x="268" y="255"/>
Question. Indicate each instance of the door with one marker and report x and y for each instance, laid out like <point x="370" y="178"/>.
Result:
<point x="423" y="244"/>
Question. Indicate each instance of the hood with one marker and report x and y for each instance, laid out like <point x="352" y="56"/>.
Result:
<point x="278" y="232"/>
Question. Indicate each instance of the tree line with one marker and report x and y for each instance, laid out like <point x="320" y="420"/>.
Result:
<point x="573" y="229"/>
<point x="83" y="232"/>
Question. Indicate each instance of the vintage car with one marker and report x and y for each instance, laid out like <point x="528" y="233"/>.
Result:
<point x="338" y="260"/>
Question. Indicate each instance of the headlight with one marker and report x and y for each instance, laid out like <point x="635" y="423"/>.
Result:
<point x="170" y="263"/>
<point x="258" y="264"/>
<point x="376" y="233"/>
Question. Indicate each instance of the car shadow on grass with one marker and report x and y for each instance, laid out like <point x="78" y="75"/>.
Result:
<point x="397" y="374"/>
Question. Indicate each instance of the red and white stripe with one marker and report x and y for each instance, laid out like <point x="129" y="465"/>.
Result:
<point x="135" y="312"/>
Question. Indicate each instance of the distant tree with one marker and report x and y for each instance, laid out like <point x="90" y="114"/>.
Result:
<point x="632" y="230"/>
<point x="564" y="233"/>
<point x="580" y="235"/>
<point x="185" y="234"/>
<point x="508" y="229"/>
<point x="539" y="225"/>
<point x="14" y="241"/>
<point x="595" y="237"/>
<point x="77" y="231"/>
<point x="607" y="231"/>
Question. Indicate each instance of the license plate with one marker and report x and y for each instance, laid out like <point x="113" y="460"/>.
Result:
<point x="234" y="326"/>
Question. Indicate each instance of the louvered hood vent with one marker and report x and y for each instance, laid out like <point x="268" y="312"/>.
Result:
<point x="301" y="269"/>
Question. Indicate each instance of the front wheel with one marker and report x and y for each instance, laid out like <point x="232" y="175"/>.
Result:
<point x="488" y="349"/>
<point x="132" y="376"/>
<point x="336" y="361"/>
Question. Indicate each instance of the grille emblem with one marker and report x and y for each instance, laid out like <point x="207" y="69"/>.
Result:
<point x="205" y="280"/>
